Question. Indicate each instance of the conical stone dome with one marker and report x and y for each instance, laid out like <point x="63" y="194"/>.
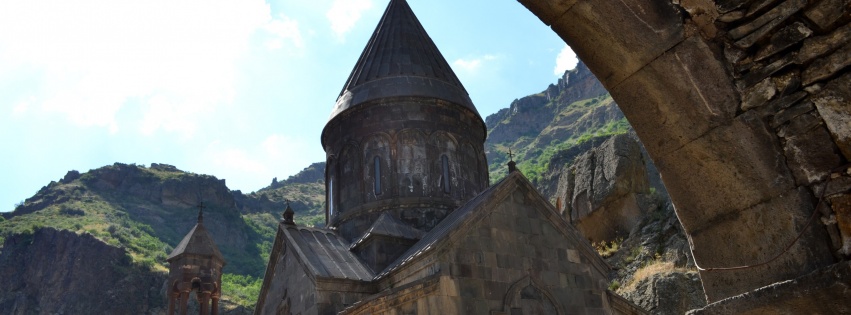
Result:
<point x="401" y="60"/>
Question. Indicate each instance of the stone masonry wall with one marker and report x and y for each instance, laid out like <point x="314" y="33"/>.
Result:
<point x="513" y="259"/>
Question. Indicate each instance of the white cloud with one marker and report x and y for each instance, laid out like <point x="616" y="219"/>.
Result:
<point x="254" y="164"/>
<point x="283" y="28"/>
<point x="566" y="60"/>
<point x="22" y="107"/>
<point x="344" y="14"/>
<point x="472" y="65"/>
<point x="93" y="57"/>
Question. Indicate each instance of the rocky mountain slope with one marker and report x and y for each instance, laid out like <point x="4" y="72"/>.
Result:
<point x="95" y="233"/>
<point x="566" y="115"/>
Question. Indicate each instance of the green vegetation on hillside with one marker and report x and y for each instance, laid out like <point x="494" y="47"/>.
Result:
<point x="573" y="125"/>
<point x="101" y="219"/>
<point x="121" y="206"/>
<point x="241" y="290"/>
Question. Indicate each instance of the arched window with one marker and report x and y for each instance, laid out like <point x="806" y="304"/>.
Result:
<point x="377" y="175"/>
<point x="330" y="198"/>
<point x="444" y="162"/>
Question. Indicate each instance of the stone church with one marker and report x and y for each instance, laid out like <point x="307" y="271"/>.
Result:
<point x="413" y="226"/>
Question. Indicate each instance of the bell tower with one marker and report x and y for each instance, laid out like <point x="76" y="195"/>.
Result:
<point x="404" y="138"/>
<point x="195" y="265"/>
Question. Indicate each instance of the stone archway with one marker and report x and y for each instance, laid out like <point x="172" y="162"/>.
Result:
<point x="744" y="107"/>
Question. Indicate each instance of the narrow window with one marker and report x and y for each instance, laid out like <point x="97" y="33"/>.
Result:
<point x="444" y="161"/>
<point x="377" y="180"/>
<point x="330" y="198"/>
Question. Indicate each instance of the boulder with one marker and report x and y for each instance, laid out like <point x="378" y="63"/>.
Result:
<point x="599" y="190"/>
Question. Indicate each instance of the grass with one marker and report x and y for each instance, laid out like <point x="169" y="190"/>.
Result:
<point x="240" y="289"/>
<point x="606" y="250"/>
<point x="653" y="268"/>
<point x="650" y="268"/>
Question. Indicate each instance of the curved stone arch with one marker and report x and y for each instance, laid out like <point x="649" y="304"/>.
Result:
<point x="377" y="145"/>
<point x="471" y="177"/>
<point x="192" y="284"/>
<point x="443" y="139"/>
<point x="349" y="184"/>
<point x="513" y="295"/>
<point x="440" y="144"/>
<point x="725" y="167"/>
<point x="412" y="162"/>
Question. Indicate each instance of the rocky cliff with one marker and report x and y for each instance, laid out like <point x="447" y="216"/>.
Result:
<point x="600" y="192"/>
<point x="60" y="272"/>
<point x="563" y="116"/>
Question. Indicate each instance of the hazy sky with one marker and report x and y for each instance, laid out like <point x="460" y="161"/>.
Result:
<point x="238" y="89"/>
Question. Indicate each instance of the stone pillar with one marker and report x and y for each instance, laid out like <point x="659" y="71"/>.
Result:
<point x="172" y="299"/>
<point x="184" y="302"/>
<point x="215" y="306"/>
<point x="204" y="302"/>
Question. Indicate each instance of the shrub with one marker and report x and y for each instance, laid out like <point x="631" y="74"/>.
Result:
<point x="65" y="210"/>
<point x="607" y="250"/>
<point x="614" y="286"/>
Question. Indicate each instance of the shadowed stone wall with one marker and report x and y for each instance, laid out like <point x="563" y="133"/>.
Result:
<point x="744" y="107"/>
<point x="402" y="143"/>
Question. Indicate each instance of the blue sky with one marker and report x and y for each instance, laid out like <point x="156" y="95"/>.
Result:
<point x="238" y="89"/>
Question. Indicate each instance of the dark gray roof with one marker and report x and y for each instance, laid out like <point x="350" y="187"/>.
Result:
<point x="387" y="225"/>
<point x="197" y="242"/>
<point x="326" y="254"/>
<point x="401" y="60"/>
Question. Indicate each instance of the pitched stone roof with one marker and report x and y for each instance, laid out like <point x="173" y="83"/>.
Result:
<point x="197" y="242"/>
<point x="478" y="207"/>
<point x="387" y="225"/>
<point x="401" y="60"/>
<point x="326" y="254"/>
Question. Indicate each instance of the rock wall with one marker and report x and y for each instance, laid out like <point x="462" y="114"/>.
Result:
<point x="530" y="115"/>
<point x="60" y="272"/>
<point x="600" y="191"/>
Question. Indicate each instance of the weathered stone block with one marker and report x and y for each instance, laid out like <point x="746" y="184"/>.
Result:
<point x="729" y="5"/>
<point x="645" y="30"/>
<point x="826" y="67"/>
<point x="788" y="83"/>
<point x="790" y="113"/>
<point x="673" y="101"/>
<point x="784" y="38"/>
<point x="833" y="106"/>
<point x="809" y="155"/>
<point x="732" y="167"/>
<point x="755" y="235"/>
<point x="758" y="74"/>
<point x="759" y="94"/>
<point x="748" y="34"/>
<point x="842" y="208"/>
<point x="827" y="12"/>
<point x="799" y="125"/>
<point x="819" y="46"/>
<point x="776" y="106"/>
